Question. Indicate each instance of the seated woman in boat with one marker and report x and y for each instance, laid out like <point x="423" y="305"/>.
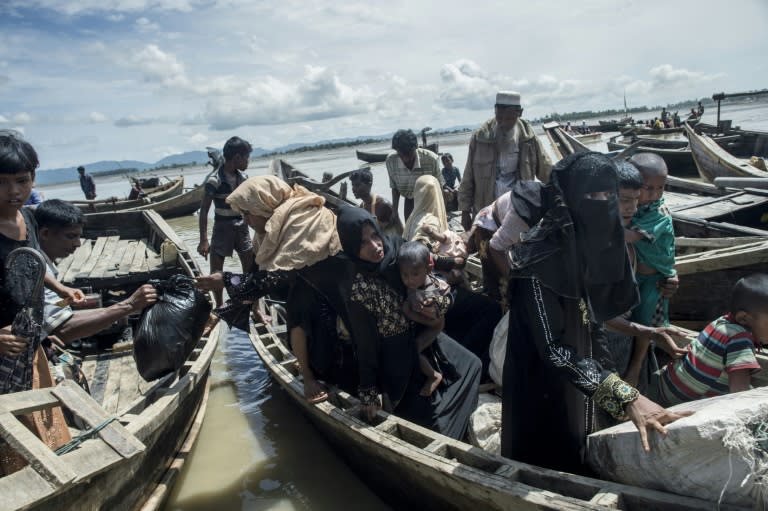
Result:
<point x="293" y="232"/>
<point x="428" y="224"/>
<point x="378" y="206"/>
<point x="721" y="359"/>
<point x="386" y="342"/>
<point x="568" y="275"/>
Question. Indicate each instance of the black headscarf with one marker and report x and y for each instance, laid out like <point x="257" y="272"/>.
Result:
<point x="578" y="246"/>
<point x="349" y="225"/>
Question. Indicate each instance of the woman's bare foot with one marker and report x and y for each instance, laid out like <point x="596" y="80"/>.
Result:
<point x="431" y="384"/>
<point x="213" y="320"/>
<point x="314" y="392"/>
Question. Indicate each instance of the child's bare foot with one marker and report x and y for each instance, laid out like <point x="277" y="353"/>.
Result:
<point x="314" y="392"/>
<point x="431" y="384"/>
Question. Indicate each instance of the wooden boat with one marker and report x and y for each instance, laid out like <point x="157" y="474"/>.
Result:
<point x="414" y="468"/>
<point x="707" y="277"/>
<point x="676" y="153"/>
<point x="181" y="205"/>
<point x="144" y="424"/>
<point x="161" y="193"/>
<point x="588" y="138"/>
<point x="724" y="156"/>
<point x="563" y="143"/>
<point x="371" y="157"/>
<point x="380" y="157"/>
<point x="411" y="467"/>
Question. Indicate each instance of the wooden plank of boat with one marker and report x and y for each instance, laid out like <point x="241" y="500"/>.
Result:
<point x="181" y="205"/>
<point x="161" y="193"/>
<point x="714" y="161"/>
<point x="707" y="277"/>
<point x="742" y="182"/>
<point x="415" y="468"/>
<point x="157" y="415"/>
<point x="76" y="262"/>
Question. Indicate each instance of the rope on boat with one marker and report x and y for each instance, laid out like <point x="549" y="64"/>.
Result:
<point x="85" y="435"/>
<point x="748" y="442"/>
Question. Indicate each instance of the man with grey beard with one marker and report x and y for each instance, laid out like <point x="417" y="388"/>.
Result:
<point x="502" y="151"/>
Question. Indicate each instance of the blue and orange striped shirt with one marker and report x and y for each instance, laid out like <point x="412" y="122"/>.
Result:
<point x="722" y="347"/>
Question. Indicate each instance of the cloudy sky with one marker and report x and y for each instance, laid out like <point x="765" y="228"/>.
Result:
<point x="87" y="80"/>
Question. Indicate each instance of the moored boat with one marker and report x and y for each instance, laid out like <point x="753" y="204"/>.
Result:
<point x="726" y="155"/>
<point x="676" y="153"/>
<point x="371" y="157"/>
<point x="181" y="205"/>
<point x="139" y="426"/>
<point x="414" y="468"/>
<point x="164" y="191"/>
<point x="380" y="157"/>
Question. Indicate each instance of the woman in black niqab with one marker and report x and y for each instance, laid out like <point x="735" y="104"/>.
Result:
<point x="569" y="273"/>
<point x="385" y="339"/>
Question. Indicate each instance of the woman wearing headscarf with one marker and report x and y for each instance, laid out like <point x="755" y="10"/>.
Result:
<point x="427" y="223"/>
<point x="569" y="273"/>
<point x="385" y="340"/>
<point x="293" y="233"/>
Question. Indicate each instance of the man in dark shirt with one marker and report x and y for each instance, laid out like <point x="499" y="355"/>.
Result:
<point x="230" y="233"/>
<point x="87" y="184"/>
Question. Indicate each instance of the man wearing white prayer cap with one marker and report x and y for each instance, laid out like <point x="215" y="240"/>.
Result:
<point x="502" y="150"/>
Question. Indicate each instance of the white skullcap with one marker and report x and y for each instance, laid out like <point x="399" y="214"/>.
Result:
<point x="508" y="98"/>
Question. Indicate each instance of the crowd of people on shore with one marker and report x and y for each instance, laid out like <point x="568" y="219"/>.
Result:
<point x="579" y="255"/>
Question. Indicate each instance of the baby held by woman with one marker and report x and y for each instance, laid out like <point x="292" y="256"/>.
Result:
<point x="427" y="301"/>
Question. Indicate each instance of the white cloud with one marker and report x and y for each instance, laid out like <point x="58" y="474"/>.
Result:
<point x="3" y="119"/>
<point x="85" y="7"/>
<point x="197" y="139"/>
<point x="133" y="120"/>
<point x="158" y="66"/>
<point x="22" y="118"/>
<point x="320" y="94"/>
<point x="145" y="25"/>
<point x="98" y="117"/>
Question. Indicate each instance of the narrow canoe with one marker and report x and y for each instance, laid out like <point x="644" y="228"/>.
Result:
<point x="120" y="467"/>
<point x="161" y="193"/>
<point x="713" y="160"/>
<point x="181" y="205"/>
<point x="411" y="467"/>
<point x="380" y="157"/>
<point x="676" y="153"/>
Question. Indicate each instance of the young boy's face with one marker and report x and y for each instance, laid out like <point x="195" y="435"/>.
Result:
<point x="758" y="323"/>
<point x="15" y="190"/>
<point x="414" y="275"/>
<point x="628" y="198"/>
<point x="447" y="162"/>
<point x="60" y="242"/>
<point x="360" y="188"/>
<point x="653" y="188"/>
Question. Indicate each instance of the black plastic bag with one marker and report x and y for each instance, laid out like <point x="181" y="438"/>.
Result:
<point x="169" y="329"/>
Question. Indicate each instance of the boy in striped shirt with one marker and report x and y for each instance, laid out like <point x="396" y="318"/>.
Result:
<point x="722" y="359"/>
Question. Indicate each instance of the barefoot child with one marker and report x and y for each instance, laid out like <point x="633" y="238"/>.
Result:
<point x="722" y="359"/>
<point x="623" y="333"/>
<point x="428" y="300"/>
<point x="654" y="242"/>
